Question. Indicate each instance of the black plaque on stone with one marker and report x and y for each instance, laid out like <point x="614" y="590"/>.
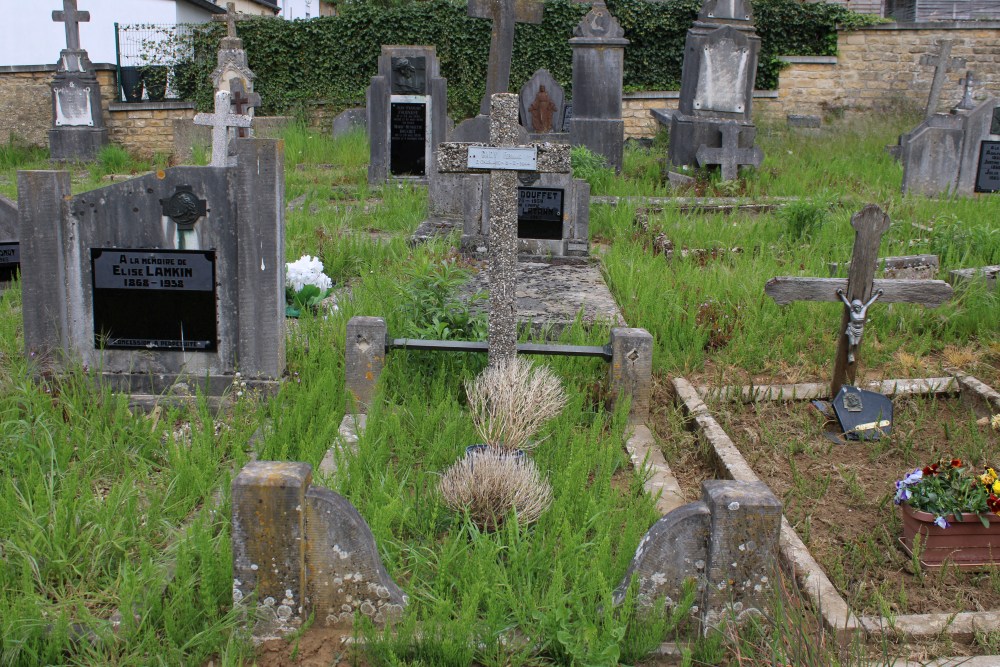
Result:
<point x="988" y="176"/>
<point x="154" y="299"/>
<point x="995" y="123"/>
<point x="863" y="415"/>
<point x="539" y="213"/>
<point x="567" y="116"/>
<point x="407" y="139"/>
<point x="10" y="260"/>
<point x="409" y="76"/>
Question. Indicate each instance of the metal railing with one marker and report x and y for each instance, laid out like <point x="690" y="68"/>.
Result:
<point x="148" y="56"/>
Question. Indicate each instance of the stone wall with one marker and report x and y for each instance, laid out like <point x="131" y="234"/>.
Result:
<point x="147" y="128"/>
<point x="640" y="124"/>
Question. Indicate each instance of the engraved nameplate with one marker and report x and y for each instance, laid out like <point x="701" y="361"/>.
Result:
<point x="486" y="157"/>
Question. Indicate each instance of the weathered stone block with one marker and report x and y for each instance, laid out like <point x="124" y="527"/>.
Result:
<point x="364" y="360"/>
<point x="631" y="370"/>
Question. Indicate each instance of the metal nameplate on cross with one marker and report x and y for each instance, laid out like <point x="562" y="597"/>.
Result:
<point x="220" y="122"/>
<point x="72" y="18"/>
<point x="729" y="156"/>
<point x="943" y="63"/>
<point x="504" y="14"/>
<point x="503" y="159"/>
<point x="858" y="292"/>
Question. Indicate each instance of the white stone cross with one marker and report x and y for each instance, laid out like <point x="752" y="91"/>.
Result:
<point x="503" y="158"/>
<point x="220" y="122"/>
<point x="72" y="18"/>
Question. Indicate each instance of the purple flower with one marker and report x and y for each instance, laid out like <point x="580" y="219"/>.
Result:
<point x="940" y="522"/>
<point x="902" y="495"/>
<point x="913" y="477"/>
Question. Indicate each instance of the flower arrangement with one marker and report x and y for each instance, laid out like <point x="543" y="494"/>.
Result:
<point x="950" y="489"/>
<point x="305" y="285"/>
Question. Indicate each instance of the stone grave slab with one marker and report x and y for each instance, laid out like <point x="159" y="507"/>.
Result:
<point x="161" y="284"/>
<point x="10" y="249"/>
<point x="542" y="107"/>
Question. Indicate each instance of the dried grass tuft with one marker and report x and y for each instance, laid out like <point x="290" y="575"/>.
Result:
<point x="488" y="484"/>
<point x="511" y="401"/>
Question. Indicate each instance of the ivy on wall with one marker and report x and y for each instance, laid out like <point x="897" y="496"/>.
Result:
<point x="332" y="59"/>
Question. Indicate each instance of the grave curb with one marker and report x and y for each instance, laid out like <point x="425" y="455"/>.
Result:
<point x="796" y="560"/>
<point x="659" y="482"/>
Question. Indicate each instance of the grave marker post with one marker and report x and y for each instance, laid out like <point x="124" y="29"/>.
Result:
<point x="729" y="156"/>
<point x="502" y="159"/>
<point x="504" y="14"/>
<point x="869" y="224"/>
<point x="943" y="63"/>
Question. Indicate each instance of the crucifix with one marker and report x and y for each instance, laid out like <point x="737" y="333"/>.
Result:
<point x="968" y="82"/>
<point x="858" y="291"/>
<point x="503" y="159"/>
<point x="943" y="63"/>
<point x="730" y="156"/>
<point x="72" y="20"/>
<point x="220" y="122"/>
<point x="230" y="18"/>
<point x="243" y="104"/>
<point x="504" y="13"/>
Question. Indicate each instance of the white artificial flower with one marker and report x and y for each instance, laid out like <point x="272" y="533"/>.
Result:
<point x="306" y="270"/>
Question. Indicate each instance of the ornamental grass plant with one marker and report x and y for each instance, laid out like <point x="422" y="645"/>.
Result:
<point x="950" y="488"/>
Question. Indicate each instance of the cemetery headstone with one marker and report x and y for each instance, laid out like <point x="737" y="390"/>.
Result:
<point x="10" y="249"/>
<point x="598" y="45"/>
<point x="503" y="158"/>
<point x="942" y="63"/>
<point x="717" y="82"/>
<point x="542" y="108"/>
<point x="78" y="131"/>
<point x="221" y="121"/>
<point x="968" y="83"/>
<point x="242" y="104"/>
<point x="729" y="156"/>
<point x="858" y="292"/>
<point x="407" y="106"/>
<point x="163" y="283"/>
<point x="348" y="120"/>
<point x="231" y="60"/>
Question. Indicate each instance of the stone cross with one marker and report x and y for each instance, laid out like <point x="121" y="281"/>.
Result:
<point x="504" y="13"/>
<point x="943" y="63"/>
<point x="869" y="224"/>
<point x="502" y="158"/>
<point x="968" y="82"/>
<point x="72" y="20"/>
<point x="220" y="122"/>
<point x="730" y="156"/>
<point x="242" y="103"/>
<point x="230" y="18"/>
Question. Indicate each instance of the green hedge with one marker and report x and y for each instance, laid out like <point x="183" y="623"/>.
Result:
<point x="333" y="58"/>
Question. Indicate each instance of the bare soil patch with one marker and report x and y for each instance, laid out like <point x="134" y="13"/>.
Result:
<point x="316" y="647"/>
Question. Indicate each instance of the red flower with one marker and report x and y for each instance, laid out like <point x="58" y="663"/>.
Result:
<point x="956" y="463"/>
<point x="993" y="502"/>
<point x="930" y="470"/>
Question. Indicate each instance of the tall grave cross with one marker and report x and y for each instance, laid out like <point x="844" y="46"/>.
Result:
<point x="943" y="63"/>
<point x="72" y="18"/>
<point x="502" y="158"/>
<point x="230" y="18"/>
<point x="220" y="122"/>
<point x="504" y="13"/>
<point x="730" y="156"/>
<point x="242" y="103"/>
<point x="858" y="291"/>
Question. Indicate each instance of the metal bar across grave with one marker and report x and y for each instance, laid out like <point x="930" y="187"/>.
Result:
<point x="602" y="351"/>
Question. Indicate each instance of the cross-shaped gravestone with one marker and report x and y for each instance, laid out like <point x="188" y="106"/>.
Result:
<point x="72" y="18"/>
<point x="230" y="18"/>
<point x="730" y="156"/>
<point x="504" y="13"/>
<point x="968" y="82"/>
<point x="220" y="122"/>
<point x="943" y="63"/>
<point x="242" y="103"/>
<point x="858" y="290"/>
<point x="502" y="158"/>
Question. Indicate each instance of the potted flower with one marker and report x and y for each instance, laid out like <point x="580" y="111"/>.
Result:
<point x="305" y="285"/>
<point x="956" y="512"/>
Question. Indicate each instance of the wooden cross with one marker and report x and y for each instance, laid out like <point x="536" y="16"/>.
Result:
<point x="220" y="122"/>
<point x="243" y="104"/>
<point x="502" y="158"/>
<point x="730" y="156"/>
<point x="72" y="20"/>
<point x="968" y="82"/>
<point x="504" y="13"/>
<point x="858" y="289"/>
<point x="943" y="63"/>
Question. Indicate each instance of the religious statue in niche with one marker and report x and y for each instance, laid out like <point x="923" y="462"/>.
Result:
<point x="856" y="327"/>
<point x="542" y="111"/>
<point x="408" y="76"/>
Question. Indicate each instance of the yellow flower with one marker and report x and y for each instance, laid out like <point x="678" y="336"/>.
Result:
<point x="996" y="487"/>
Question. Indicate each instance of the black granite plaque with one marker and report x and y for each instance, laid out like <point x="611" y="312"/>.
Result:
<point x="539" y="213"/>
<point x="995" y="123"/>
<point x="407" y="139"/>
<point x="988" y="176"/>
<point x="409" y="76"/>
<point x="10" y="260"/>
<point x="567" y="116"/>
<point x="863" y="415"/>
<point x="154" y="299"/>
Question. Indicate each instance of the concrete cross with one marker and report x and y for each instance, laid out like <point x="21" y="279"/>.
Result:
<point x="870" y="223"/>
<point x="504" y="13"/>
<point x="242" y="103"/>
<point x="72" y="20"/>
<point x="502" y="158"/>
<point x="943" y="63"/>
<point x="220" y="122"/>
<point x="968" y="82"/>
<point x="730" y="156"/>
<point x="230" y="18"/>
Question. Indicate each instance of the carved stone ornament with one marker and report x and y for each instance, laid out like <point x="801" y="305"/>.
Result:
<point x="184" y="207"/>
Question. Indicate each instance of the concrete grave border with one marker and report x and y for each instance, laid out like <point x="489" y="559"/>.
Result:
<point x="823" y="597"/>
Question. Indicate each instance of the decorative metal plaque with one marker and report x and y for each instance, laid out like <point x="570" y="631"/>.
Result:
<point x="519" y="159"/>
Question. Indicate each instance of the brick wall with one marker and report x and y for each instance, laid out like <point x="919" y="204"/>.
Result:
<point x="640" y="124"/>
<point x="147" y="128"/>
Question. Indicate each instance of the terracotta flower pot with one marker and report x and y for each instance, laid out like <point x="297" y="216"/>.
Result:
<point x="965" y="544"/>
